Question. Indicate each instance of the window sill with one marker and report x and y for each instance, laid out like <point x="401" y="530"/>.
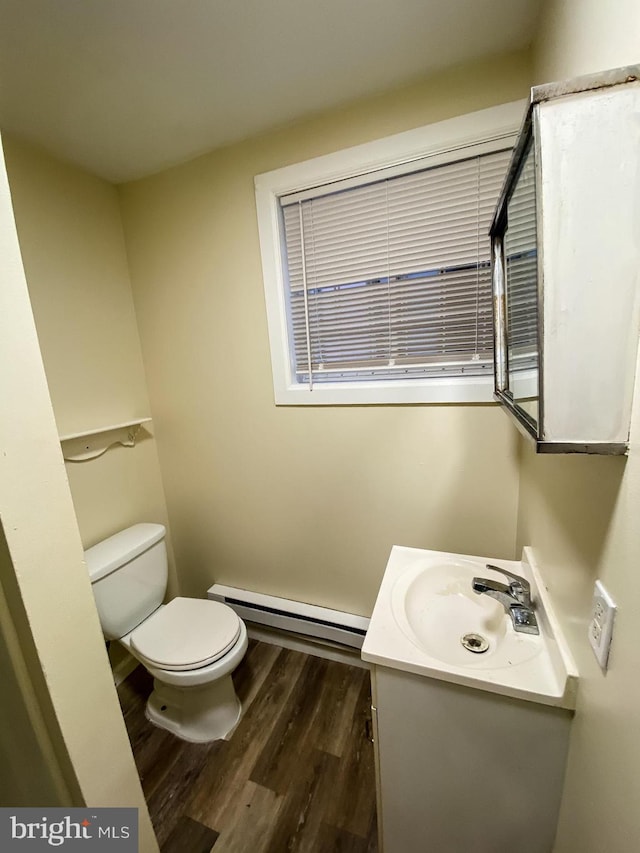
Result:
<point x="460" y="390"/>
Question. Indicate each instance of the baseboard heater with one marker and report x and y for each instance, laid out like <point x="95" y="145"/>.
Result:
<point x="307" y="620"/>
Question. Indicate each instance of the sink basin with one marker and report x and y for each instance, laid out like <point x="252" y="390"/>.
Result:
<point x="426" y="606"/>
<point x="435" y="607"/>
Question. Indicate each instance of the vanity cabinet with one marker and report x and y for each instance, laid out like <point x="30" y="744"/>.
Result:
<point x="459" y="769"/>
<point x="566" y="261"/>
<point x="470" y="749"/>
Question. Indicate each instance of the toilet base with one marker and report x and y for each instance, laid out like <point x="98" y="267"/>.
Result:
<point x="197" y="714"/>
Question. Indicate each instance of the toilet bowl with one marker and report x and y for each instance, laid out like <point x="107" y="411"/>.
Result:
<point x="190" y="646"/>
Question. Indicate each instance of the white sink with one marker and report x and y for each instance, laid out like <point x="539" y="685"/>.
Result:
<point x="426" y="606"/>
<point x="434" y="605"/>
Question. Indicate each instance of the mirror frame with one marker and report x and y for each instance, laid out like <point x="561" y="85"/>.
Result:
<point x="531" y="427"/>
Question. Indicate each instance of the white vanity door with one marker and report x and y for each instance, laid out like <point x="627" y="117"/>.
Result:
<point x="464" y="770"/>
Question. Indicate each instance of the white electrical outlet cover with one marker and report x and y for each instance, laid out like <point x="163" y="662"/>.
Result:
<point x="600" y="629"/>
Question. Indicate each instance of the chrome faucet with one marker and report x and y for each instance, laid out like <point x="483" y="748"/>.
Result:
<point x="515" y="597"/>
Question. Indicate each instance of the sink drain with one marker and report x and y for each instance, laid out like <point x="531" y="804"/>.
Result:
<point x="475" y="643"/>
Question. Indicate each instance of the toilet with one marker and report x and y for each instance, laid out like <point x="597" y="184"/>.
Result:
<point x="190" y="646"/>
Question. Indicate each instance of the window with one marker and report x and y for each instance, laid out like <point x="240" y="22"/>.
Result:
<point x="377" y="266"/>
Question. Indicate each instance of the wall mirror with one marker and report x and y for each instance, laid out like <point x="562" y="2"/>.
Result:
<point x="564" y="266"/>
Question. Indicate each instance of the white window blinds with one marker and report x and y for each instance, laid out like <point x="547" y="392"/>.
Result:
<point x="392" y="279"/>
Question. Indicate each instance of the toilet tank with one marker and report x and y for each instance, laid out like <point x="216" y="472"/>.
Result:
<point x="128" y="574"/>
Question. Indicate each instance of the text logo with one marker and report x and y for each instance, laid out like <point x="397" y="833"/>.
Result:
<point x="104" y="830"/>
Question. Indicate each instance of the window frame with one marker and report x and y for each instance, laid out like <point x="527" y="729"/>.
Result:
<point x="432" y="145"/>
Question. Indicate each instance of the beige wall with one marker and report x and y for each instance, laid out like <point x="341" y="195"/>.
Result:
<point x="50" y="612"/>
<point x="73" y="251"/>
<point x="581" y="36"/>
<point x="30" y="769"/>
<point x="581" y="515"/>
<point x="300" y="502"/>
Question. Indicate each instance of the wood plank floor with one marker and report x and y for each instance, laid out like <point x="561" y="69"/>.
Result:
<point x="297" y="775"/>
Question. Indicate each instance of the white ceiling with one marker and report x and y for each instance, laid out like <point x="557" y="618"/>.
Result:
<point x="124" y="88"/>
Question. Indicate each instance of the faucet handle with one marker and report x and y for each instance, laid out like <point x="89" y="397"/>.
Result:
<point x="519" y="587"/>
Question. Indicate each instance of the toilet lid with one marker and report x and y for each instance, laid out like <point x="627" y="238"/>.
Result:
<point x="188" y="633"/>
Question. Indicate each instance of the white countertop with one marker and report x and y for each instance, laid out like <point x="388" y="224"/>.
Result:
<point x="549" y="676"/>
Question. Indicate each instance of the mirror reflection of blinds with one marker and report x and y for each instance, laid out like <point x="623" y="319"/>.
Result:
<point x="522" y="270"/>
<point x="392" y="279"/>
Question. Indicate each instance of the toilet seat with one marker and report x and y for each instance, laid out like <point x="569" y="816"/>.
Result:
<point x="186" y="634"/>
